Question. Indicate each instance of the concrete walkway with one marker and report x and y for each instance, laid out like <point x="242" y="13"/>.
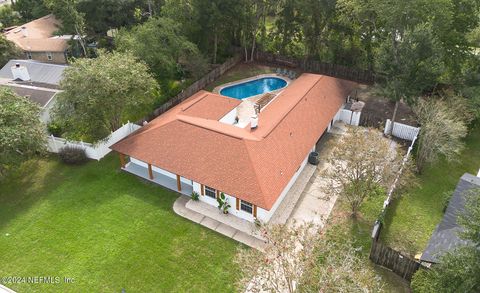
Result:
<point x="286" y="207"/>
<point x="180" y="207"/>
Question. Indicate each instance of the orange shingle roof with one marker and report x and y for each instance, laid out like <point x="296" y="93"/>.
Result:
<point x="252" y="165"/>
<point x="39" y="37"/>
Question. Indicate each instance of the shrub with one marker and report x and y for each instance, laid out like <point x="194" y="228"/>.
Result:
<point x="195" y="196"/>
<point x="55" y="129"/>
<point x="73" y="155"/>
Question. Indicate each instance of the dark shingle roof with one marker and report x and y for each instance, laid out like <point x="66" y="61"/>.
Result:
<point x="445" y="237"/>
<point x="36" y="95"/>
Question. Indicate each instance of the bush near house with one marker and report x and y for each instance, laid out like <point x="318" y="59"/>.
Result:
<point x="72" y="155"/>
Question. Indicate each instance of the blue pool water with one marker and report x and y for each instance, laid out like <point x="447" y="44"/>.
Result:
<point x="254" y="87"/>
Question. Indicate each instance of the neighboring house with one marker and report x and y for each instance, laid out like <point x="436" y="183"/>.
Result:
<point x="34" y="80"/>
<point x="197" y="145"/>
<point x="38" y="42"/>
<point x="445" y="237"/>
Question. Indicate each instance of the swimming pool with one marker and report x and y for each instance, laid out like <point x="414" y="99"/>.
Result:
<point x="254" y="87"/>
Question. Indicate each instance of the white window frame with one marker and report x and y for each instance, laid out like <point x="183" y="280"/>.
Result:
<point x="210" y="192"/>
<point x="49" y="56"/>
<point x="247" y="205"/>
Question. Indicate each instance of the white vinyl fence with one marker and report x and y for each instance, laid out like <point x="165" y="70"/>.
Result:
<point x="402" y="131"/>
<point x="348" y="117"/>
<point x="386" y="203"/>
<point x="93" y="151"/>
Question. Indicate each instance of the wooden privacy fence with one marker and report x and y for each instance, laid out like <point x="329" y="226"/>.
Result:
<point x="195" y="87"/>
<point x="335" y="70"/>
<point x="387" y="257"/>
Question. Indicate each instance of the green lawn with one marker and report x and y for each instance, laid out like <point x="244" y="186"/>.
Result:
<point x="411" y="219"/>
<point x="241" y="71"/>
<point x="106" y="229"/>
<point x="358" y="231"/>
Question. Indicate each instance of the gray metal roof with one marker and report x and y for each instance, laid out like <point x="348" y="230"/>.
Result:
<point x="445" y="237"/>
<point x="39" y="72"/>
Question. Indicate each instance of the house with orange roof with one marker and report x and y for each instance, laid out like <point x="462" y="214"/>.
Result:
<point x="38" y="41"/>
<point x="199" y="146"/>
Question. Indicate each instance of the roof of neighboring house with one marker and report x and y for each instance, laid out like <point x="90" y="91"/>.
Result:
<point x="40" y="35"/>
<point x="254" y="165"/>
<point x="445" y="237"/>
<point x="40" y="73"/>
<point x="37" y="95"/>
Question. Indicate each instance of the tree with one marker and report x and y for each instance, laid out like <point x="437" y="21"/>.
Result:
<point x="8" y="51"/>
<point x="8" y="16"/>
<point x="362" y="162"/>
<point x="288" y="252"/>
<point x="458" y="270"/>
<point x="297" y="258"/>
<point x="339" y="266"/>
<point x="160" y="43"/>
<point x="22" y="135"/>
<point x="442" y="130"/>
<point x="73" y="22"/>
<point x="30" y="9"/>
<point x="101" y="94"/>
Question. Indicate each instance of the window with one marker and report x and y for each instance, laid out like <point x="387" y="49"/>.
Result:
<point x="210" y="192"/>
<point x="49" y="56"/>
<point x="29" y="55"/>
<point x="246" y="206"/>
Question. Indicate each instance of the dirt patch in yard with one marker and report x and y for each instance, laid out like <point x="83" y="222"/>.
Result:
<point x="378" y="109"/>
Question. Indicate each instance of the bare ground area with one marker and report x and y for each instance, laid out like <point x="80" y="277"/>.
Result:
<point x="378" y="109"/>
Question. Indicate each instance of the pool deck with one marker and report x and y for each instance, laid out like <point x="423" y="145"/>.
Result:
<point x="246" y="109"/>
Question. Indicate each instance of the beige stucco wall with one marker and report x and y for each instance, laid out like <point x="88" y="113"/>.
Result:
<point x="57" y="57"/>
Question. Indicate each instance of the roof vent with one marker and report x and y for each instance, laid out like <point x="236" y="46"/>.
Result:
<point x="254" y="122"/>
<point x="20" y="72"/>
<point x="24" y="31"/>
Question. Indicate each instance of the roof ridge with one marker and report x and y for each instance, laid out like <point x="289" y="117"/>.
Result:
<point x="255" y="172"/>
<point x="284" y="115"/>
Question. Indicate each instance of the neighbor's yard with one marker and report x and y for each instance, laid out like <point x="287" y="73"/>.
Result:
<point x="106" y="229"/>
<point x="411" y="219"/>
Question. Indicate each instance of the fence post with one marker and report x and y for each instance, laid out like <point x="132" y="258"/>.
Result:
<point x="54" y="143"/>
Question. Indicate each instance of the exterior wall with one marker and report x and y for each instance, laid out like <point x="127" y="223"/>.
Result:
<point x="161" y="171"/>
<point x="262" y="214"/>
<point x="57" y="57"/>
<point x="230" y="117"/>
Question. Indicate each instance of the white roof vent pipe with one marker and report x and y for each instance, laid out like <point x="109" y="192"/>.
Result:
<point x="24" y="31"/>
<point x="254" y="122"/>
<point x="20" y="72"/>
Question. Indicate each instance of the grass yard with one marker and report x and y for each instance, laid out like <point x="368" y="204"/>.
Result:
<point x="107" y="230"/>
<point x="411" y="219"/>
<point x="342" y="227"/>
<point x="241" y="71"/>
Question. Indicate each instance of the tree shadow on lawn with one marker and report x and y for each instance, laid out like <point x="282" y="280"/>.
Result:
<point x="25" y="186"/>
<point x="74" y="188"/>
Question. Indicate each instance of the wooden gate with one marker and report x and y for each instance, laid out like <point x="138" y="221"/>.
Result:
<point x="387" y="257"/>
